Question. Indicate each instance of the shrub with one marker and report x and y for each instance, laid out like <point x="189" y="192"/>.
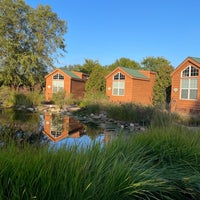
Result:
<point x="36" y="97"/>
<point x="60" y="98"/>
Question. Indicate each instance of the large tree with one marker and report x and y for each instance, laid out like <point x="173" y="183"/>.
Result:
<point x="30" y="41"/>
<point x="153" y="63"/>
<point x="124" y="62"/>
<point x="163" y="80"/>
<point x="88" y="66"/>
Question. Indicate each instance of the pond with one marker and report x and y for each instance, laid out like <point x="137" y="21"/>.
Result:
<point x="53" y="129"/>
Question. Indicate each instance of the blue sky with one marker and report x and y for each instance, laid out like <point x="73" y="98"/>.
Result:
<point x="106" y="30"/>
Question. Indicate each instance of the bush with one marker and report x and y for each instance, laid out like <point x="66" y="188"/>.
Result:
<point x="91" y="98"/>
<point x="60" y="98"/>
<point x="36" y="97"/>
<point x="11" y="98"/>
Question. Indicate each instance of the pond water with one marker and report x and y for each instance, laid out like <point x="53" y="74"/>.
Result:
<point x="53" y="129"/>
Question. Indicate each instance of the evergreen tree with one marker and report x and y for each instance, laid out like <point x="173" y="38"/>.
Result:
<point x="96" y="82"/>
<point x="162" y="87"/>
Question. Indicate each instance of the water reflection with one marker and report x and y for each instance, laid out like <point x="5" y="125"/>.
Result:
<point x="64" y="129"/>
<point x="20" y="127"/>
<point x="48" y="128"/>
<point x="57" y="127"/>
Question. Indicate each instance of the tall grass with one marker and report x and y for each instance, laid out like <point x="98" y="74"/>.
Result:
<point x="11" y="98"/>
<point x="131" y="112"/>
<point x="159" y="164"/>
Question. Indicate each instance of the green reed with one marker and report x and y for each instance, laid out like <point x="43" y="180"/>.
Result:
<point x="160" y="163"/>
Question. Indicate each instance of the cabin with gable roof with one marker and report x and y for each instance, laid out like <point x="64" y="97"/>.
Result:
<point x="185" y="92"/>
<point x="62" y="79"/>
<point x="130" y="85"/>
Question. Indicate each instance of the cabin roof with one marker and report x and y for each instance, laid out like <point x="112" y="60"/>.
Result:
<point x="134" y="73"/>
<point x="69" y="73"/>
<point x="196" y="59"/>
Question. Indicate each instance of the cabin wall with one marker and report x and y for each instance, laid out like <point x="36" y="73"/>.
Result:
<point x="48" y="92"/>
<point x="177" y="104"/>
<point x="77" y="89"/>
<point x="143" y="91"/>
<point x="127" y="92"/>
<point x="49" y="88"/>
<point x="136" y="90"/>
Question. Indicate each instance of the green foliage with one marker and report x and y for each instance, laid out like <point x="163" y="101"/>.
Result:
<point x="124" y="62"/>
<point x="4" y="94"/>
<point x="29" y="40"/>
<point x="21" y="99"/>
<point x="162" y="87"/>
<point x="89" y="66"/>
<point x="162" y="118"/>
<point x="153" y="63"/>
<point x="12" y="98"/>
<point x="96" y="82"/>
<point x="96" y="98"/>
<point x="190" y="120"/>
<point x="36" y="97"/>
<point x="131" y="113"/>
<point x="60" y="98"/>
<point x="160" y="164"/>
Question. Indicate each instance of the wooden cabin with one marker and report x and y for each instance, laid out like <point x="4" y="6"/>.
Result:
<point x="185" y="93"/>
<point x="61" y="79"/>
<point x="130" y="85"/>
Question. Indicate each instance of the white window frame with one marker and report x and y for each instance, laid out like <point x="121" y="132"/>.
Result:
<point x="190" y="68"/>
<point x="118" y="85"/>
<point x="192" y="75"/>
<point x="189" y="88"/>
<point x="58" y="76"/>
<point x="57" y="83"/>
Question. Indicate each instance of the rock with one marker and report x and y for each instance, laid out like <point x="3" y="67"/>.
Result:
<point x="30" y="109"/>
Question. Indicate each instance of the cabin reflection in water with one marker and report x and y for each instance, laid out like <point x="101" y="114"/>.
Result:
<point x="58" y="127"/>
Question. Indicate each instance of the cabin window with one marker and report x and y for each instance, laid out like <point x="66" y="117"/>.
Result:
<point x="189" y="83"/>
<point x="56" y="126"/>
<point x="118" y="88"/>
<point x="119" y="76"/>
<point x="189" y="88"/>
<point x="58" y="77"/>
<point x="190" y="71"/>
<point x="58" y="83"/>
<point x="118" y="85"/>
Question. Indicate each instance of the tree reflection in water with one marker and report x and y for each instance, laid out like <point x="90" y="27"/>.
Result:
<point x="20" y="127"/>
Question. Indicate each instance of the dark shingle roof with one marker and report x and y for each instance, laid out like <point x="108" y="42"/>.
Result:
<point x="134" y="73"/>
<point x="196" y="59"/>
<point x="70" y="73"/>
